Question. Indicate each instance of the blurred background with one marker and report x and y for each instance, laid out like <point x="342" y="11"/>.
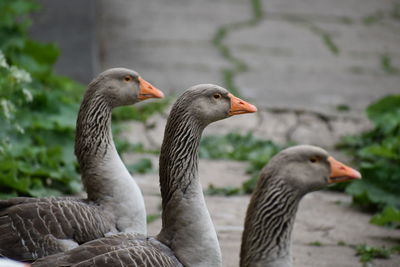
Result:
<point x="321" y="72"/>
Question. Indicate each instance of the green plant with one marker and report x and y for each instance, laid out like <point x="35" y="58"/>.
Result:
<point x="235" y="146"/>
<point x="377" y="153"/>
<point x="152" y="217"/>
<point x="37" y="111"/>
<point x="368" y="253"/>
<point x="387" y="65"/>
<point x="141" y="112"/>
<point x="225" y="191"/>
<point x="389" y="216"/>
<point x="141" y="166"/>
<point x="315" y="244"/>
<point x="342" y="107"/>
<point x="373" y="18"/>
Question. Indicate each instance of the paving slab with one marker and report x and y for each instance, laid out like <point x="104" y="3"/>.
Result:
<point x="293" y="67"/>
<point x="349" y="8"/>
<point x="169" y="43"/>
<point x="289" y="62"/>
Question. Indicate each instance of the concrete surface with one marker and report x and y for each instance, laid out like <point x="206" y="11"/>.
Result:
<point x="289" y="52"/>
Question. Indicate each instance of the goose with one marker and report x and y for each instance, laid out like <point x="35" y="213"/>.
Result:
<point x="187" y="237"/>
<point x="32" y="228"/>
<point x="283" y="182"/>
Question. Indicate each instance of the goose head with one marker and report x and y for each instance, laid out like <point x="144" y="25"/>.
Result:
<point x="309" y="168"/>
<point x="120" y="87"/>
<point x="209" y="103"/>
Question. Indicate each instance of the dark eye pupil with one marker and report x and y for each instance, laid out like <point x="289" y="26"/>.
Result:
<point x="313" y="160"/>
<point x="216" y="96"/>
<point x="127" y="78"/>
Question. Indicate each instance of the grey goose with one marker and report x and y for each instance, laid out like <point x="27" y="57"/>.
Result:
<point x="283" y="182"/>
<point x="32" y="228"/>
<point x="187" y="237"/>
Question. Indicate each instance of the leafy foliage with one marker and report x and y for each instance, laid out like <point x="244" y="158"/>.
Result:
<point x="368" y="253"/>
<point x="377" y="153"/>
<point x="225" y="191"/>
<point x="141" y="166"/>
<point x="141" y="112"/>
<point x="37" y="112"/>
<point x="389" y="216"/>
<point x="235" y="146"/>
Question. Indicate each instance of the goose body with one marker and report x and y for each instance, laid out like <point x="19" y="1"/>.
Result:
<point x="32" y="228"/>
<point x="288" y="176"/>
<point x="187" y="237"/>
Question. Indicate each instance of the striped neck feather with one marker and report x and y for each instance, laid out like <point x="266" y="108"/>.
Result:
<point x="269" y="223"/>
<point x="187" y="227"/>
<point x="93" y="130"/>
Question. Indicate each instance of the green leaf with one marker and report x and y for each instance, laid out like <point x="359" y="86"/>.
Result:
<point x="235" y="146"/>
<point x="225" y="191"/>
<point x="140" y="112"/>
<point x="368" y="193"/>
<point x="383" y="106"/>
<point x="390" y="216"/>
<point x="368" y="253"/>
<point x="142" y="166"/>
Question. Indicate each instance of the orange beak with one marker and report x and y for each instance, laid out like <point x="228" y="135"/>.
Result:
<point x="148" y="91"/>
<point x="341" y="172"/>
<point x="239" y="106"/>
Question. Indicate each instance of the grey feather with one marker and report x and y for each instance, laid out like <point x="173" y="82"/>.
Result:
<point x="188" y="237"/>
<point x="272" y="210"/>
<point x="32" y="228"/>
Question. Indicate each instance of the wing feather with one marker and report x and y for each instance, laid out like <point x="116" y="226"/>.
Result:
<point x="117" y="250"/>
<point x="32" y="228"/>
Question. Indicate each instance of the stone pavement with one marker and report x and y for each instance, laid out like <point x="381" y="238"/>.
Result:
<point x="294" y="54"/>
<point x="311" y="66"/>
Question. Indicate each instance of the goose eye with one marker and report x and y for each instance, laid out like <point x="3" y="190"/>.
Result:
<point x="128" y="78"/>
<point x="314" y="160"/>
<point x="217" y="96"/>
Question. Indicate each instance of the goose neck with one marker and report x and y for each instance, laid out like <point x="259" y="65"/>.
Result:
<point x="93" y="137"/>
<point x="187" y="227"/>
<point x="269" y="222"/>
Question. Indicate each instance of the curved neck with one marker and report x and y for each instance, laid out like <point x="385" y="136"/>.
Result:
<point x="93" y="141"/>
<point x="187" y="227"/>
<point x="93" y="128"/>
<point x="268" y="224"/>
<point x="104" y="175"/>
